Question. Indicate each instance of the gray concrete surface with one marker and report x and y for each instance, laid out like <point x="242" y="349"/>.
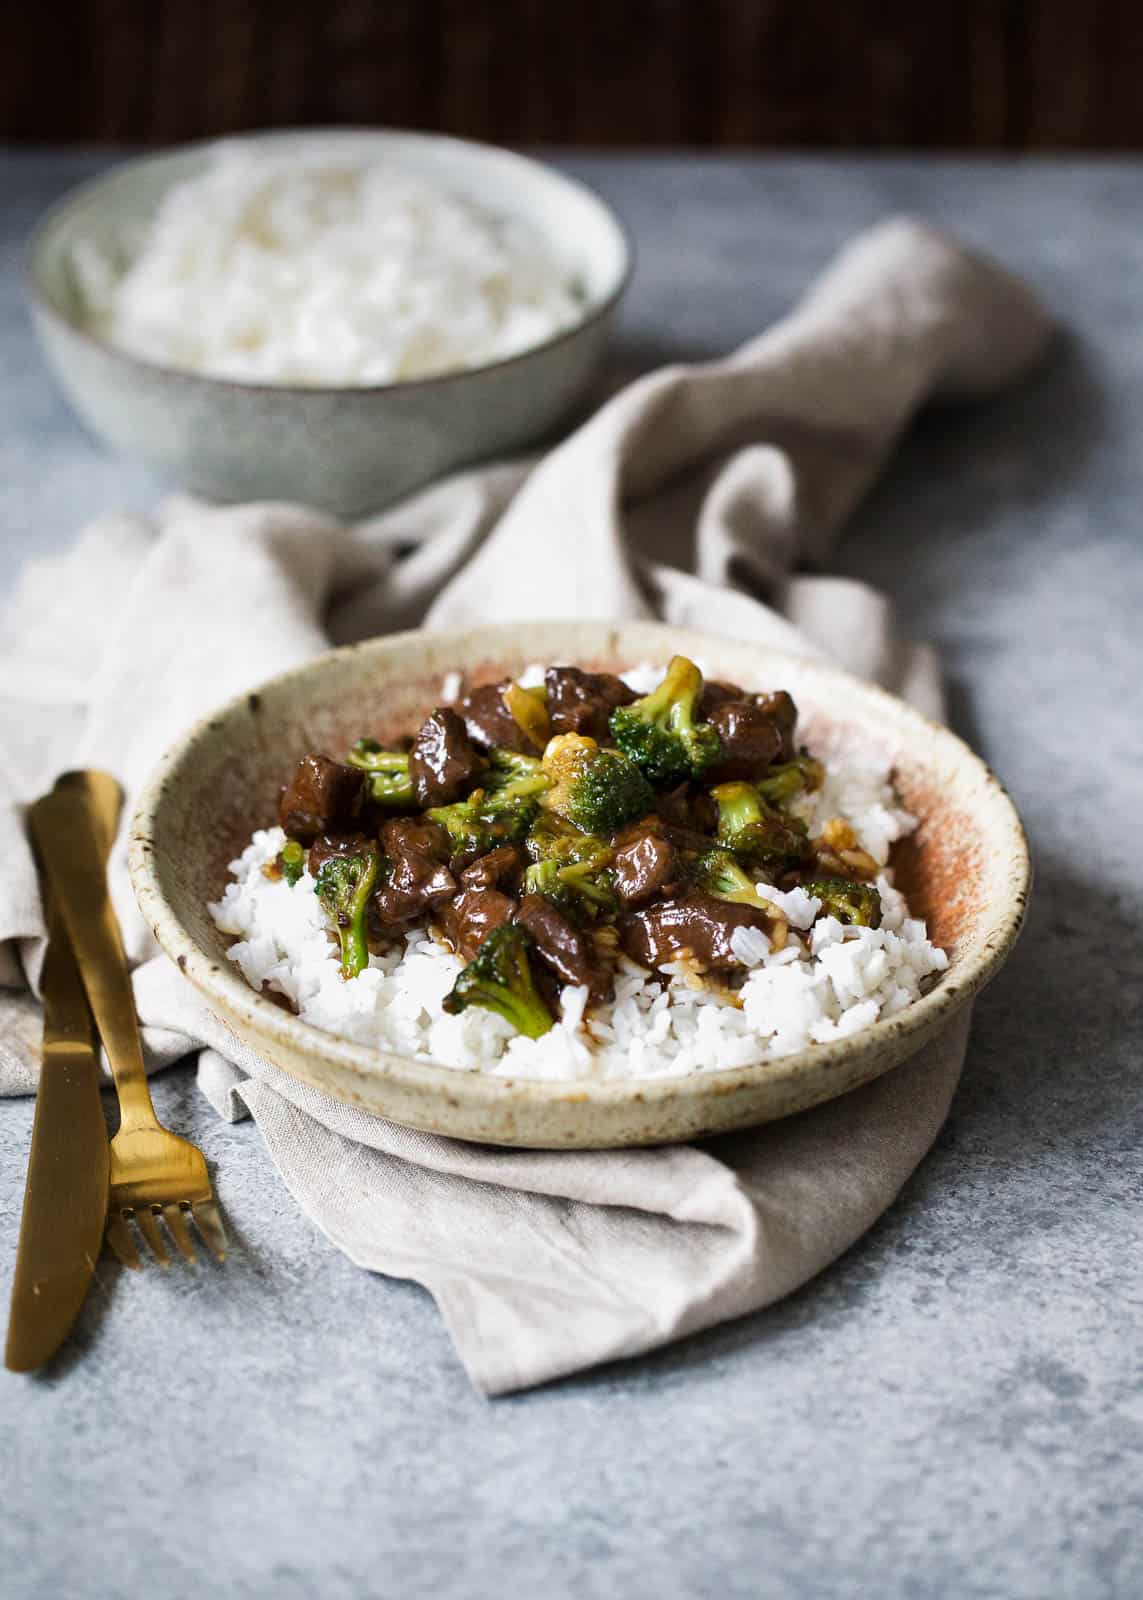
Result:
<point x="955" y="1409"/>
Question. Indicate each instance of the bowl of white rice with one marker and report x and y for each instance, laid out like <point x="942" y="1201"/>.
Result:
<point x="332" y="316"/>
<point x="666" y="1058"/>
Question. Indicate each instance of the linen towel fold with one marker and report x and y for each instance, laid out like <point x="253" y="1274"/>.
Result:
<point x="696" y="495"/>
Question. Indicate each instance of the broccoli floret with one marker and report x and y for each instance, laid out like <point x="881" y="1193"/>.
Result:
<point x="518" y="792"/>
<point x="756" y="833"/>
<point x="388" y="783"/>
<point x="292" y="861"/>
<point x="510" y="767"/>
<point x="720" y="875"/>
<point x="553" y="838"/>
<point x="475" y="828"/>
<point x="784" y="782"/>
<point x="847" y="900"/>
<point x="581" y="889"/>
<point x="344" y="884"/>
<point x="610" y="792"/>
<point x="659" y="732"/>
<point x="490" y="817"/>
<point x="499" y="978"/>
<point x="570" y="867"/>
<point x="597" y="790"/>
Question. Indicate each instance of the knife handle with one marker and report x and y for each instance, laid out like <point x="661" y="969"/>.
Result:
<point x="69" y="826"/>
<point x="65" y="1196"/>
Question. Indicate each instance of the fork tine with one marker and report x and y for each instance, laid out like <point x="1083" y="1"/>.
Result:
<point x="149" y="1227"/>
<point x="118" y="1236"/>
<point x="177" y="1223"/>
<point x="209" y="1221"/>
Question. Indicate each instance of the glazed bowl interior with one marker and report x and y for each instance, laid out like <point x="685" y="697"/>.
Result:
<point x="111" y="211"/>
<point x="965" y="870"/>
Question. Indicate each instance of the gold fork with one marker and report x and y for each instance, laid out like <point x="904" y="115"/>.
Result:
<point x="154" y="1174"/>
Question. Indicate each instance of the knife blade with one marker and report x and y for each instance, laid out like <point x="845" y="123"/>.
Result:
<point x="65" y="1198"/>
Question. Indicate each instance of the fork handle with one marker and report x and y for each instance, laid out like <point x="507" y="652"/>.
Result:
<point x="68" y="825"/>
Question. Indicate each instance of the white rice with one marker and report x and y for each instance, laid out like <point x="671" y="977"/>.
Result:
<point x="831" y="983"/>
<point x="276" y="268"/>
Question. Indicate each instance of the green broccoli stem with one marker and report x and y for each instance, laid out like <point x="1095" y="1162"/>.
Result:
<point x="676" y="697"/>
<point x="370" y="756"/>
<point x="524" y="787"/>
<point x="783" y="783"/>
<point x="354" y="951"/>
<point x="739" y="806"/>
<point x="388" y="783"/>
<point x="344" y="884"/>
<point x="507" y="766"/>
<point x="390" y="790"/>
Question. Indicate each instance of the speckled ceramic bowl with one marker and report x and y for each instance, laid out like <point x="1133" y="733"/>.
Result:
<point x="966" y="870"/>
<point x="346" y="450"/>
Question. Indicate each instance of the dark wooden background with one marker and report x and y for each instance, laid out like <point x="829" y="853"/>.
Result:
<point x="940" y="74"/>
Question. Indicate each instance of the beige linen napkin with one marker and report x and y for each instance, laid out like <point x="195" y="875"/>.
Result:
<point x="696" y="495"/>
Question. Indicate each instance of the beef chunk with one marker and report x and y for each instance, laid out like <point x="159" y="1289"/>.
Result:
<point x="644" y="864"/>
<point x="673" y="805"/>
<point x="418" y="877"/>
<point x="415" y="836"/>
<point x="688" y="807"/>
<point x="443" y="763"/>
<point x="489" y="722"/>
<point x="466" y="919"/>
<point x="714" y="693"/>
<point x="321" y="796"/>
<point x="500" y="868"/>
<point x="697" y="926"/>
<point x="782" y="711"/>
<point x="582" y="702"/>
<point x="752" y="740"/>
<point x="568" y="952"/>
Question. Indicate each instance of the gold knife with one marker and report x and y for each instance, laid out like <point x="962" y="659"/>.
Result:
<point x="65" y="1199"/>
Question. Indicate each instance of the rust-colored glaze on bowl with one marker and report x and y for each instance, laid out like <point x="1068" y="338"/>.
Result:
<point x="966" y="870"/>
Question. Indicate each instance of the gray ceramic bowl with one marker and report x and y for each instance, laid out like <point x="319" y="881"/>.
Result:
<point x="346" y="450"/>
<point x="966" y="870"/>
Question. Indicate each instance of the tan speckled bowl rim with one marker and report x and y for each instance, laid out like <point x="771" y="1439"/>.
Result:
<point x="482" y="1092"/>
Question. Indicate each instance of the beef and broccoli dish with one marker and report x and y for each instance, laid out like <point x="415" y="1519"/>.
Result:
<point x="557" y="835"/>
